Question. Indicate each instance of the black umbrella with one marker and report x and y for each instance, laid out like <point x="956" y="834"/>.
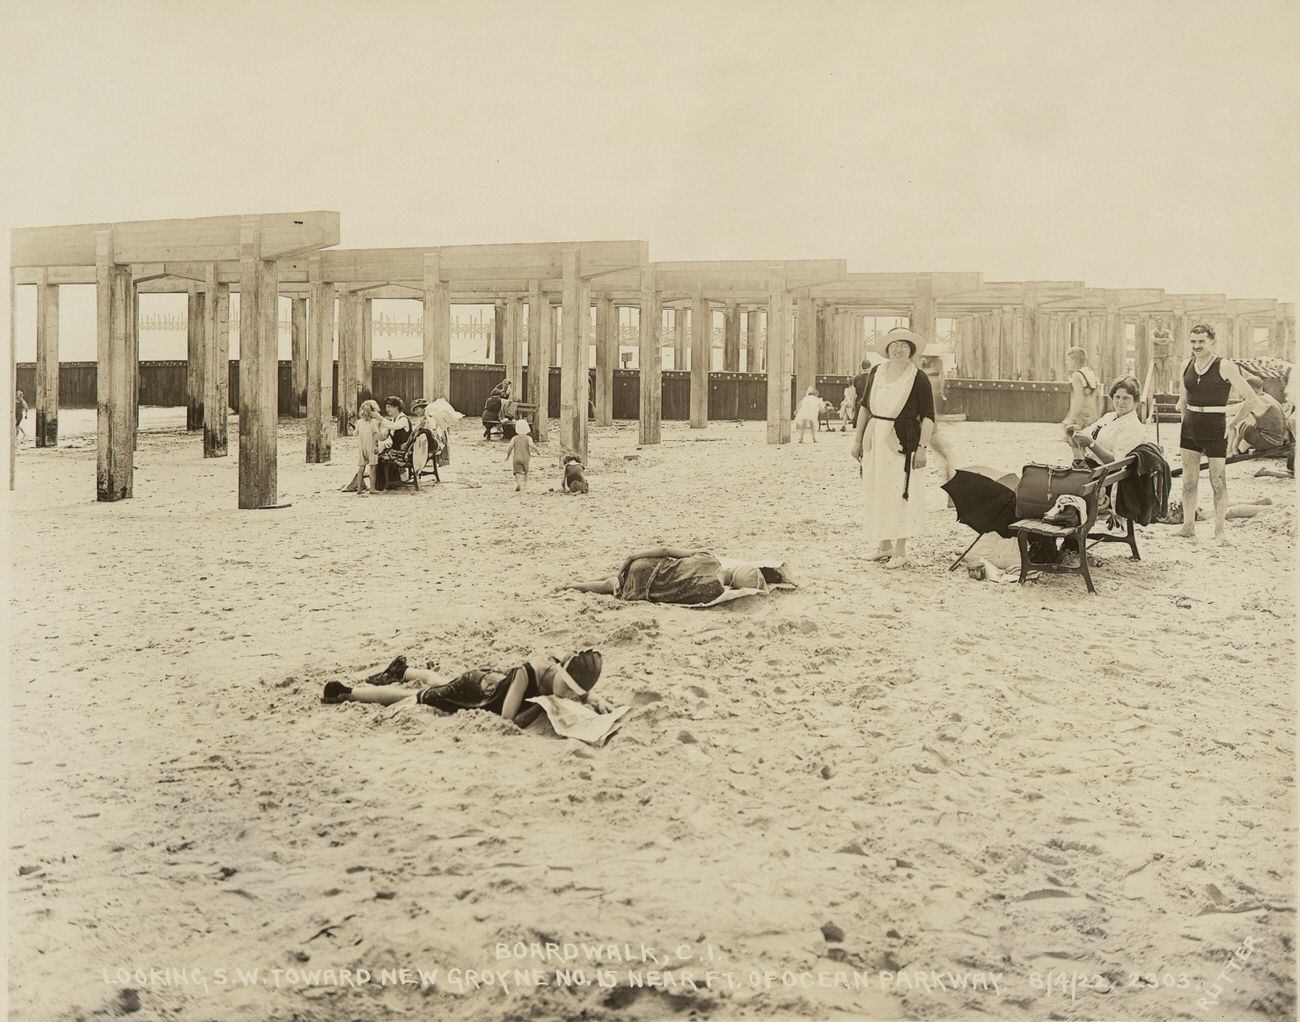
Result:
<point x="984" y="504"/>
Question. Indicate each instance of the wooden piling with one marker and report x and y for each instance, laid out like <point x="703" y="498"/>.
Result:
<point x="650" y="361"/>
<point x="366" y="351"/>
<point x="298" y="355"/>
<point x="805" y="351"/>
<point x="701" y="359"/>
<point x="539" y="360"/>
<point x="496" y="352"/>
<point x="13" y="372"/>
<point x="347" y="375"/>
<point x="513" y="342"/>
<point x="777" y="360"/>
<point x="573" y="360"/>
<point x="133" y="329"/>
<point x="194" y="361"/>
<point x="320" y="364"/>
<point x="922" y="316"/>
<point x="437" y="331"/>
<point x="258" y="369"/>
<point x="731" y="335"/>
<point x="754" y="341"/>
<point x="47" y="361"/>
<point x="606" y="356"/>
<point x="681" y="340"/>
<point x="216" y="367"/>
<point x="115" y="462"/>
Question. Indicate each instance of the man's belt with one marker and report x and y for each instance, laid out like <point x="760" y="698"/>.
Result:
<point x="1213" y="409"/>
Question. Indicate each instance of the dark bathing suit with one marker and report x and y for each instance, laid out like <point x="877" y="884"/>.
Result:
<point x="477" y="690"/>
<point x="1205" y="432"/>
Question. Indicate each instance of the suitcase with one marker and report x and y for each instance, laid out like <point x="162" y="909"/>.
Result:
<point x="1040" y="485"/>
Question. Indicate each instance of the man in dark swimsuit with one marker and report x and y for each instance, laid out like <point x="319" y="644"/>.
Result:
<point x="1208" y="383"/>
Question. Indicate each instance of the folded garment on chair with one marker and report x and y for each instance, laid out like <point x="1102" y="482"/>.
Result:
<point x="578" y="720"/>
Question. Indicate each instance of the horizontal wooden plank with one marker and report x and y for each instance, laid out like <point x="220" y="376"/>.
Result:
<point x="200" y="239"/>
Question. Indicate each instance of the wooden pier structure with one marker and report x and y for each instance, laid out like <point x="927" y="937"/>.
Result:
<point x="794" y="321"/>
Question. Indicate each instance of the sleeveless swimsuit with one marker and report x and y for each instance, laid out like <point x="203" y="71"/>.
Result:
<point x="1205" y="431"/>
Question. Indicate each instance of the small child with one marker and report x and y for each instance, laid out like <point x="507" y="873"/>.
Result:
<point x="518" y="452"/>
<point x="575" y="476"/>
<point x="806" y="415"/>
<point x="368" y="426"/>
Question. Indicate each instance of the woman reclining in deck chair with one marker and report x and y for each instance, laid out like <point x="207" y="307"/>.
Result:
<point x="501" y="691"/>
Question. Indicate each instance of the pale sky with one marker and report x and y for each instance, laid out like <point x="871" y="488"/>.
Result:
<point x="1120" y="144"/>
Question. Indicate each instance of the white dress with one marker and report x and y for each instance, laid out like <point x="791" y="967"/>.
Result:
<point x="888" y="516"/>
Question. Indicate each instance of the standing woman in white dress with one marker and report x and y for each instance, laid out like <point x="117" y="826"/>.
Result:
<point x="895" y="423"/>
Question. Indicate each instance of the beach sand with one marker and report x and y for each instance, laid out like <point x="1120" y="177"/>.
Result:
<point x="975" y="783"/>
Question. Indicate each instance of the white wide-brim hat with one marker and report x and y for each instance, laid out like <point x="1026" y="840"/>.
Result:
<point x="900" y="333"/>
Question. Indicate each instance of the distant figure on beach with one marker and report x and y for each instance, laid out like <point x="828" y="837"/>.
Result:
<point x="1116" y="433"/>
<point x="1208" y="383"/>
<point x="859" y="385"/>
<point x="1264" y="427"/>
<point x="369" y="430"/>
<point x="673" y="575"/>
<point x="20" y="409"/>
<point x="518" y="453"/>
<point x="895" y="423"/>
<point x="499" y="691"/>
<point x="575" y="475"/>
<point x="1085" y="391"/>
<point x="807" y="414"/>
<point x="1162" y="357"/>
<point x="848" y="407"/>
<point x="505" y="391"/>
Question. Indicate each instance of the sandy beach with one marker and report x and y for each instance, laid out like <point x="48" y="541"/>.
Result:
<point x="884" y="795"/>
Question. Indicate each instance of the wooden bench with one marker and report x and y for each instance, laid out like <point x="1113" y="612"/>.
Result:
<point x="417" y="459"/>
<point x="523" y="410"/>
<point x="1103" y="478"/>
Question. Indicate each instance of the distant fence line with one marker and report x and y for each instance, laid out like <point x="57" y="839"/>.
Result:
<point x="732" y="396"/>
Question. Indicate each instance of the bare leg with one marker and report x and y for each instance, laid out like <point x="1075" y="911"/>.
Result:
<point x="1191" y="476"/>
<point x="604" y="586"/>
<point x="384" y="695"/>
<point x="1219" y="484"/>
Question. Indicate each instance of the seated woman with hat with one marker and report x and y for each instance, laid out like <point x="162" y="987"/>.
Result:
<point x="398" y="429"/>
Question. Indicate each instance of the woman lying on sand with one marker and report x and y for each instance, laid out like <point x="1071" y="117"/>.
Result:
<point x="672" y="575"/>
<point x="502" y="692"/>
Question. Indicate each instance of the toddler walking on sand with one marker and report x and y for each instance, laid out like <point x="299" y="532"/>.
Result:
<point x="519" y="453"/>
<point x="368" y="427"/>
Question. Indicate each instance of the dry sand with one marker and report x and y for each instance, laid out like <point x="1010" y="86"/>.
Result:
<point x="967" y="779"/>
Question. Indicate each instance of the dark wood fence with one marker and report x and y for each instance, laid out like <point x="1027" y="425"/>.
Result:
<point x="731" y="395"/>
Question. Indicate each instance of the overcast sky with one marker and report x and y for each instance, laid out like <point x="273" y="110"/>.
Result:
<point x="1124" y="145"/>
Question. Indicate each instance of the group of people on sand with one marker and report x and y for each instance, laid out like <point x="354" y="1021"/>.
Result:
<point x="657" y="575"/>
<point x="382" y="440"/>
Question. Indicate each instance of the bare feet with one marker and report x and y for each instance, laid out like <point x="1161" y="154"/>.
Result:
<point x="1186" y="532"/>
<point x="898" y="562"/>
